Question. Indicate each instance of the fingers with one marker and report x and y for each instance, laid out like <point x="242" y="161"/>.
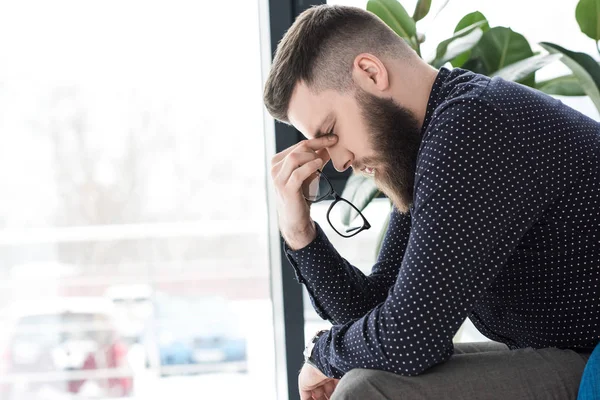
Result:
<point x="329" y="387"/>
<point x="318" y="393"/>
<point x="300" y="175"/>
<point x="321" y="391"/>
<point x="297" y="156"/>
<point x="277" y="158"/>
<point x="306" y="395"/>
<point x="295" y="162"/>
<point x="323" y="154"/>
<point x="321" y="142"/>
<point x="312" y="144"/>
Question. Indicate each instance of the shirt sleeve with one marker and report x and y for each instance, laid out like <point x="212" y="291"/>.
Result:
<point x="476" y="194"/>
<point x="339" y="291"/>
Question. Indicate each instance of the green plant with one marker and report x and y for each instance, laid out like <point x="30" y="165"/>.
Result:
<point x="585" y="77"/>
<point x="492" y="51"/>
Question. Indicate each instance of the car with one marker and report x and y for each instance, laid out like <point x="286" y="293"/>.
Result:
<point x="198" y="331"/>
<point x="63" y="345"/>
<point x="133" y="309"/>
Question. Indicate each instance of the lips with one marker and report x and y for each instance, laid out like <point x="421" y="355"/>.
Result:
<point x="368" y="170"/>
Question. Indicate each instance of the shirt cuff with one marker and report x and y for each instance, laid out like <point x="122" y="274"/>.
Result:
<point x="319" y="357"/>
<point x="306" y="268"/>
<point x="303" y="260"/>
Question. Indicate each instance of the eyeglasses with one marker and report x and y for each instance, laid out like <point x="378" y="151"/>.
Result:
<point x="320" y="188"/>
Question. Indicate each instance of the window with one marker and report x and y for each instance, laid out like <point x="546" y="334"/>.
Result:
<point x="134" y="243"/>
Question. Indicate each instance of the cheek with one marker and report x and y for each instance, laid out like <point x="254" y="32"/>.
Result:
<point x="361" y="141"/>
<point x="360" y="146"/>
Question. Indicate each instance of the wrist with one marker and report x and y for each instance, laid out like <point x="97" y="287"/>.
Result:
<point x="309" y="350"/>
<point x="301" y="238"/>
<point x="314" y="371"/>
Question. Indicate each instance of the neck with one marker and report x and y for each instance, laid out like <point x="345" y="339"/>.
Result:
<point x="412" y="87"/>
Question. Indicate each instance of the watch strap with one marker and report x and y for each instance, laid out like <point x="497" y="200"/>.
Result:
<point x="308" y="350"/>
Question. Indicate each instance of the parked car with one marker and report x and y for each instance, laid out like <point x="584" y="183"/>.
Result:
<point x="133" y="309"/>
<point x="63" y="345"/>
<point x="198" y="331"/>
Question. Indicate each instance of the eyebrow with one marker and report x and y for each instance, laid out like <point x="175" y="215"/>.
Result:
<point x="321" y="125"/>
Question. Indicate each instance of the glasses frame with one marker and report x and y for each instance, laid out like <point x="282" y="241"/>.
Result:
<point x="337" y="198"/>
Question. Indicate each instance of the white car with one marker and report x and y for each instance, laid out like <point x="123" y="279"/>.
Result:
<point x="65" y="345"/>
<point x="133" y="308"/>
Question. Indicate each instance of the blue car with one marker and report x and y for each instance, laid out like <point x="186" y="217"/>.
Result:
<point x="199" y="331"/>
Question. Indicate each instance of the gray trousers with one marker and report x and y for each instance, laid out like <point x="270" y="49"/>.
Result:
<point x="482" y="371"/>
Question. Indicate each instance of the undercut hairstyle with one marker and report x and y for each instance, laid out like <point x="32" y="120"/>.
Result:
<point x="319" y="49"/>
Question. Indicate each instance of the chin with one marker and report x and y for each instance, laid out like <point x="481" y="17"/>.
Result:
<point x="397" y="199"/>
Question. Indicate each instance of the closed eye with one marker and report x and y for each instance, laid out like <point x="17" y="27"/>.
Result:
<point x="331" y="131"/>
<point x="323" y="134"/>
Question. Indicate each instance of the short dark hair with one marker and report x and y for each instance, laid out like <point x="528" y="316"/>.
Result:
<point x="320" y="48"/>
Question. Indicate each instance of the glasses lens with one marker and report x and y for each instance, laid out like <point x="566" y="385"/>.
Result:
<point x="345" y="218"/>
<point x="315" y="188"/>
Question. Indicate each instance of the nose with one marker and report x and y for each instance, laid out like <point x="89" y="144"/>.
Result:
<point x="341" y="160"/>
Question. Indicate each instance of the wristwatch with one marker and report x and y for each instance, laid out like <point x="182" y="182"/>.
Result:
<point x="308" y="350"/>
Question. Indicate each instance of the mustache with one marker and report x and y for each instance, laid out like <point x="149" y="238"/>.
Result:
<point x="358" y="171"/>
<point x="359" y="165"/>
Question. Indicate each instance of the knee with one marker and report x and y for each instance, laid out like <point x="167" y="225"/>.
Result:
<point x="357" y="384"/>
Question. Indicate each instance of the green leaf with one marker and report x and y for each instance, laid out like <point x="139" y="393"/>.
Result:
<point x="471" y="19"/>
<point x="585" y="69"/>
<point x="421" y="9"/>
<point x="466" y="21"/>
<point x="461" y="41"/>
<point x="500" y="47"/>
<point x="567" y="85"/>
<point x="359" y="190"/>
<point x="395" y="16"/>
<point x="474" y="64"/>
<point x="522" y="69"/>
<point x="460" y="46"/>
<point x="458" y="62"/>
<point x="587" y="14"/>
<point x="466" y="40"/>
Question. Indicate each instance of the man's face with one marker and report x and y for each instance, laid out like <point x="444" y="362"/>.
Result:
<point x="376" y="136"/>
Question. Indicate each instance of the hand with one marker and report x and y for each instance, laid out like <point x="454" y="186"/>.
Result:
<point x="314" y="385"/>
<point x="289" y="170"/>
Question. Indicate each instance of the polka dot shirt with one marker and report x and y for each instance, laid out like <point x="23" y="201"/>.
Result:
<point x="504" y="230"/>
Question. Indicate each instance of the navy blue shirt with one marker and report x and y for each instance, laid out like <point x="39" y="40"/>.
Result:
<point x="504" y="230"/>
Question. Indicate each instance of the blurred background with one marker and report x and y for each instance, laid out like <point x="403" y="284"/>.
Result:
<point x="138" y="254"/>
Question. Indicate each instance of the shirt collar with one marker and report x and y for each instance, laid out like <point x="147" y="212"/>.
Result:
<point x="435" y="97"/>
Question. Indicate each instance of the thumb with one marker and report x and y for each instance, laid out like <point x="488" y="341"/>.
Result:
<point x="324" y="155"/>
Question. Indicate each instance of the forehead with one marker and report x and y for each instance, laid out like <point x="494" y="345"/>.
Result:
<point x="307" y="109"/>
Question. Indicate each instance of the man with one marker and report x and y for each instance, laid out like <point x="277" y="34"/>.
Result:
<point x="496" y="194"/>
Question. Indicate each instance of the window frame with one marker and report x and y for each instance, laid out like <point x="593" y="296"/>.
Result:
<point x="286" y="293"/>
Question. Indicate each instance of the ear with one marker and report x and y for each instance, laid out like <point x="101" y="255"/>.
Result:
<point x="370" y="74"/>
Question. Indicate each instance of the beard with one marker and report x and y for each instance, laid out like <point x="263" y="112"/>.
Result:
<point x="395" y="137"/>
